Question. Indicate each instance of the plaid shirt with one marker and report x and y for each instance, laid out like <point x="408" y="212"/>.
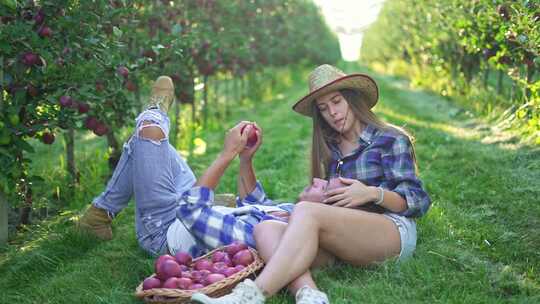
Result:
<point x="212" y="227"/>
<point x="384" y="158"/>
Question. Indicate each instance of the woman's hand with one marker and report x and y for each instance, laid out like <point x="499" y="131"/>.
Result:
<point x="247" y="153"/>
<point x="354" y="195"/>
<point x="235" y="140"/>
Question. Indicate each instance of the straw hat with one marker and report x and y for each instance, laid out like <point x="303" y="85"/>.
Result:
<point x="326" y="78"/>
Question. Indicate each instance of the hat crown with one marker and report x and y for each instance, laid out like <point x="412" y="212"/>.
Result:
<point x="323" y="75"/>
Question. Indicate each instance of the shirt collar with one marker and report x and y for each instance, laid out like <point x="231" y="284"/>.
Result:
<point x="366" y="138"/>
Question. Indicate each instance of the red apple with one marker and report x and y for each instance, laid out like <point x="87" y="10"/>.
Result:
<point x="196" y="286"/>
<point x="243" y="257"/>
<point x="234" y="247"/>
<point x="101" y="129"/>
<point x="239" y="268"/>
<point x="30" y="59"/>
<point x="219" y="267"/>
<point x="91" y="123"/>
<point x="169" y="269"/>
<point x="203" y="264"/>
<point x="184" y="283"/>
<point x="45" y="32"/>
<point x="47" y="138"/>
<point x="213" y="278"/>
<point x="171" y="283"/>
<point x="229" y="271"/>
<point x="130" y="86"/>
<point x="122" y="71"/>
<point x="66" y="101"/>
<point x="83" y="107"/>
<point x="183" y="258"/>
<point x="39" y="17"/>
<point x="252" y="136"/>
<point x="218" y="256"/>
<point x="151" y="282"/>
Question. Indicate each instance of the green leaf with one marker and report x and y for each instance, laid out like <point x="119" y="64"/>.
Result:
<point x="117" y="32"/>
<point x="12" y="4"/>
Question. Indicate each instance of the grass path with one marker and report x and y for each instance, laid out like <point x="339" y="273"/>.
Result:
<point x="479" y="243"/>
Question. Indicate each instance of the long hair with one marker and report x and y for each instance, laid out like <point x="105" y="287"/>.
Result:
<point x="324" y="135"/>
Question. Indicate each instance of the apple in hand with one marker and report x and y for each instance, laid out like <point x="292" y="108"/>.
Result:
<point x="252" y="136"/>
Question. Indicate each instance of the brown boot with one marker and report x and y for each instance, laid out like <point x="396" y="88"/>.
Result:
<point x="96" y="221"/>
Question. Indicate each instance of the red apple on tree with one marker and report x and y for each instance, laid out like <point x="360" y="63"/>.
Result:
<point x="47" y="138"/>
<point x="122" y="71"/>
<point x="45" y="32"/>
<point x="66" y="101"/>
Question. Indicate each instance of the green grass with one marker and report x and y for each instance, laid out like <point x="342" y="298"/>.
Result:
<point x="479" y="243"/>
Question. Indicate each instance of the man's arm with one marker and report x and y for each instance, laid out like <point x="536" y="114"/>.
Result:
<point x="234" y="143"/>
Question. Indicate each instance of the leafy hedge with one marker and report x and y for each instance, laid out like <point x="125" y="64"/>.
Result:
<point x="486" y="50"/>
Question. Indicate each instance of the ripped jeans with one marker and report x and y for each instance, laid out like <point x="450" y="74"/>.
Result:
<point x="156" y="174"/>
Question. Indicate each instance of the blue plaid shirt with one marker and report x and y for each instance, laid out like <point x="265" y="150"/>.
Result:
<point x="384" y="158"/>
<point x="213" y="228"/>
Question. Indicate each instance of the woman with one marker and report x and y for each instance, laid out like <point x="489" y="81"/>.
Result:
<point x="368" y="220"/>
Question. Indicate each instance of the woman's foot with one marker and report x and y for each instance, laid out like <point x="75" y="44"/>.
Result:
<point x="246" y="292"/>
<point x="308" y="295"/>
<point x="162" y="94"/>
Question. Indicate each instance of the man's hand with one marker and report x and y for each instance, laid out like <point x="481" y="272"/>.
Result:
<point x="247" y="153"/>
<point x="235" y="140"/>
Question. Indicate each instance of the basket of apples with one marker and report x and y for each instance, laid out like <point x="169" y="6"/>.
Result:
<point x="216" y="273"/>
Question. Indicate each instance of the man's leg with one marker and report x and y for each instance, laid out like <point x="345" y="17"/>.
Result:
<point x="98" y="217"/>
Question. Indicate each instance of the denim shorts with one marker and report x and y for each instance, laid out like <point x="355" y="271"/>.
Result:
<point x="407" y="234"/>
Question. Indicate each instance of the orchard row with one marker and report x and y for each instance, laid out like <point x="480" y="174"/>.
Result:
<point x="86" y="65"/>
<point x="484" y="49"/>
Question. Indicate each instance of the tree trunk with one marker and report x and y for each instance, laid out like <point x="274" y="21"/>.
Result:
<point x="205" y="99"/>
<point x="69" y="137"/>
<point x="4" y="210"/>
<point x="500" y="81"/>
<point x="27" y="209"/>
<point x="176" y="124"/>
<point x="115" y="155"/>
<point x="25" y="188"/>
<point x="486" y="77"/>
<point x="530" y="74"/>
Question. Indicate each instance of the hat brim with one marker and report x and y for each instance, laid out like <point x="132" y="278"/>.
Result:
<point x="360" y="82"/>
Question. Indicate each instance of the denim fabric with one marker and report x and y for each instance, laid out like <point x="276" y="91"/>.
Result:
<point x="157" y="176"/>
<point x="407" y="233"/>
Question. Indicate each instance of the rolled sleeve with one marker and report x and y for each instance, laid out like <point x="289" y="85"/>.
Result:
<point x="255" y="197"/>
<point x="400" y="173"/>
<point x="213" y="228"/>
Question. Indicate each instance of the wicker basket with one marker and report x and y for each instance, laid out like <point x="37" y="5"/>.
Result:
<point x="223" y="287"/>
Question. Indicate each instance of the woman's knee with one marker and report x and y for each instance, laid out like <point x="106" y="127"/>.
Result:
<point x="304" y="210"/>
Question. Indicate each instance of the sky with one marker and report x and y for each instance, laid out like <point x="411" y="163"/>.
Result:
<point x="349" y="18"/>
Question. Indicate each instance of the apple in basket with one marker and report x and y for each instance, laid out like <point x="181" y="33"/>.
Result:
<point x="243" y="257"/>
<point x="234" y="247"/>
<point x="151" y="282"/>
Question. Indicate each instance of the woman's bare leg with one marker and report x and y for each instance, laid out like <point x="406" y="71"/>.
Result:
<point x="268" y="235"/>
<point x="355" y="236"/>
